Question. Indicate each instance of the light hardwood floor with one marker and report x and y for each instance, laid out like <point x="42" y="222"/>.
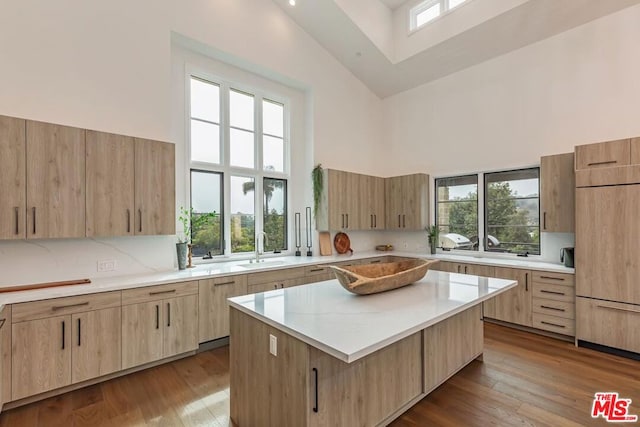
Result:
<point x="524" y="380"/>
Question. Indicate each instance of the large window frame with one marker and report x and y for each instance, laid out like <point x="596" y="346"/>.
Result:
<point x="258" y="172"/>
<point x="416" y="11"/>
<point x="483" y="179"/>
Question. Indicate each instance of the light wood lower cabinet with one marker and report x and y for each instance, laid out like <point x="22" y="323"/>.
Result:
<point x="96" y="343"/>
<point x="51" y="351"/>
<point x="41" y="358"/>
<point x="5" y="355"/>
<point x="514" y="305"/>
<point x="213" y="313"/>
<point x="608" y="323"/>
<point x="159" y="322"/>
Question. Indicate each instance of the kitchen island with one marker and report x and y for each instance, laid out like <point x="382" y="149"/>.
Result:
<point x="316" y="355"/>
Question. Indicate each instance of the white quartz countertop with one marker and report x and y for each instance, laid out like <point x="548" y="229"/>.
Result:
<point x="349" y="327"/>
<point x="520" y="262"/>
<point x="226" y="268"/>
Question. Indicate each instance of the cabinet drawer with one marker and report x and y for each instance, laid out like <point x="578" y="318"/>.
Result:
<point x="554" y="292"/>
<point x="554" y="278"/>
<point x="62" y="306"/>
<point x="609" y="323"/>
<point x="275" y="275"/>
<point x="159" y="292"/>
<point x="554" y="308"/>
<point x="603" y="154"/>
<point x="556" y="324"/>
<point x="239" y="280"/>
<point x="316" y="270"/>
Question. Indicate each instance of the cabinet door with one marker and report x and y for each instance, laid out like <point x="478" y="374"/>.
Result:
<point x="415" y="200"/>
<point x="514" y="305"/>
<point x="154" y="187"/>
<point x="635" y="151"/>
<point x="377" y="202"/>
<point x="213" y="316"/>
<point x="96" y="340"/>
<point x="608" y="243"/>
<point x="41" y="356"/>
<point x="557" y="193"/>
<point x="141" y="333"/>
<point x="5" y="355"/>
<point x="55" y="181"/>
<point x="110" y="184"/>
<point x="352" y="199"/>
<point x="393" y="199"/>
<point x="180" y="325"/>
<point x="336" y="199"/>
<point x="371" y="201"/>
<point x="13" y="178"/>
<point x="479" y="270"/>
<point x="603" y="154"/>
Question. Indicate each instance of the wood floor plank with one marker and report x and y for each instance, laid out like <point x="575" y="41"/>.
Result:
<point x="524" y="380"/>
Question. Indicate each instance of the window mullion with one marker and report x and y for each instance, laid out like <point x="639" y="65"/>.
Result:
<point x="225" y="156"/>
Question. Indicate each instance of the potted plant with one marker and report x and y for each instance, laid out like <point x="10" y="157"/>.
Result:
<point x="433" y="233"/>
<point x="190" y="221"/>
<point x="318" y="184"/>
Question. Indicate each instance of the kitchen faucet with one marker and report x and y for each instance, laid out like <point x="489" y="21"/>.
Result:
<point x="265" y="240"/>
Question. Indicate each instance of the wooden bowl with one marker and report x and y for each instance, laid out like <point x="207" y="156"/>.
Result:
<point x="374" y="278"/>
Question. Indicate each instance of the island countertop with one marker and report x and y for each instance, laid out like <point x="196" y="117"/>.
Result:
<point x="350" y="327"/>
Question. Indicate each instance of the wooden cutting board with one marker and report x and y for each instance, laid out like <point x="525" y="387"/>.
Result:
<point x="325" y="243"/>
<point x="43" y="285"/>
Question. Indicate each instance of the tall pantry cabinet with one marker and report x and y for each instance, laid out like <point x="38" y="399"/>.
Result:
<point x="608" y="244"/>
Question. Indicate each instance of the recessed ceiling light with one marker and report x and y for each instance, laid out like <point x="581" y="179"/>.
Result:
<point x="292" y="2"/>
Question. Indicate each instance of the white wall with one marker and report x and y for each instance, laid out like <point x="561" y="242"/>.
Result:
<point x="108" y="66"/>
<point x="578" y="87"/>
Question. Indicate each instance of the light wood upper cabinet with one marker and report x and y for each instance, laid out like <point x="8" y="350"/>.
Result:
<point x="154" y="187"/>
<point x="340" y="204"/>
<point x="41" y="356"/>
<point x="13" y="178"/>
<point x="213" y="313"/>
<point x="110" y="184"/>
<point x="96" y="342"/>
<point x="557" y="193"/>
<point x="635" y="151"/>
<point x="514" y="305"/>
<point x="407" y="202"/>
<point x="372" y="204"/>
<point x="608" y="243"/>
<point x="55" y="181"/>
<point x="603" y="154"/>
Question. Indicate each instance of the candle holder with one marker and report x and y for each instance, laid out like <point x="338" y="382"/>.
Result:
<point x="308" y="230"/>
<point x="296" y="230"/>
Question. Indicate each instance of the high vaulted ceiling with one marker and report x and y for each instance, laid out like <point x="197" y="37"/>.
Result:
<point x="374" y="42"/>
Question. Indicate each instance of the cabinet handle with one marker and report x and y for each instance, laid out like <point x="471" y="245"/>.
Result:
<point x="231" y="282"/>
<point x="543" y="291"/>
<point x="544" y="221"/>
<point x="62" y="307"/>
<point x="458" y="268"/>
<point x="2" y="321"/>
<point x="552" y="324"/>
<point x="552" y="278"/>
<point x="315" y="375"/>
<point x="347" y="215"/>
<point x="342" y="220"/>
<point x="168" y="314"/>
<point x="170" y="291"/>
<point x="404" y="217"/>
<point x="63" y="335"/>
<point x="399" y="226"/>
<point x="33" y="212"/>
<point x="465" y="269"/>
<point x="375" y="261"/>
<point x="157" y="316"/>
<point x="526" y="282"/>
<point x="79" y="329"/>
<point x="315" y="270"/>
<point x="606" y="162"/>
<point x="553" y="308"/>
<point x="629" y="310"/>
<point x="17" y="212"/>
<point x="375" y="221"/>
<point x="128" y="221"/>
<point x="140" y="225"/>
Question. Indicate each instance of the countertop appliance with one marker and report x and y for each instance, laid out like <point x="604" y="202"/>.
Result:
<point x="566" y="257"/>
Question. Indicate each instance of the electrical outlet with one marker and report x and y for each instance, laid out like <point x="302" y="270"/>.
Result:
<point x="273" y="345"/>
<point x="105" y="265"/>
